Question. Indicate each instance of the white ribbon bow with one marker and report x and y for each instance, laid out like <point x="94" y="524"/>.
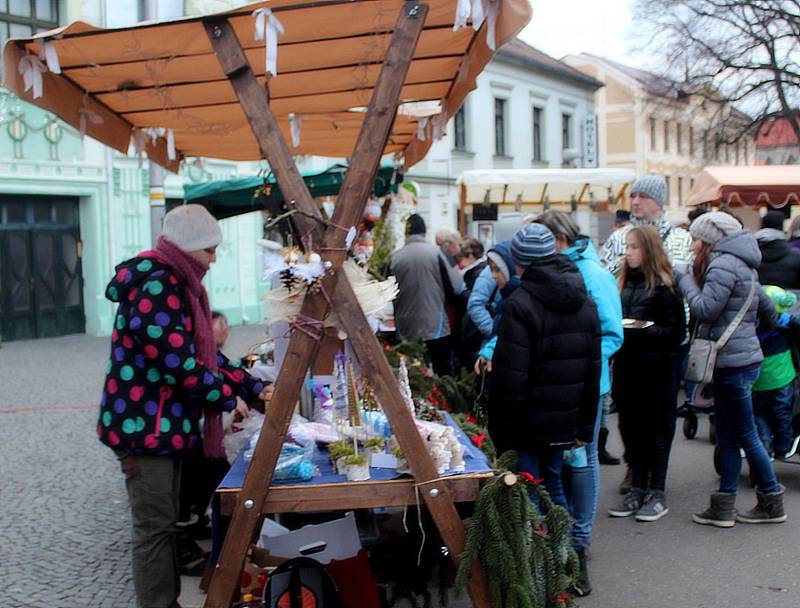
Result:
<point x="31" y="68"/>
<point x="138" y="140"/>
<point x="295" y="124"/>
<point x="463" y="10"/>
<point x="268" y="27"/>
<point x="422" y="127"/>
<point x="478" y="14"/>
<point x="155" y="132"/>
<point x="88" y="115"/>
<point x="491" y="23"/>
<point x="49" y="55"/>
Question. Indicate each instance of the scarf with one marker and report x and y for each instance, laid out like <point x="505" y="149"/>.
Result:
<point x="190" y="273"/>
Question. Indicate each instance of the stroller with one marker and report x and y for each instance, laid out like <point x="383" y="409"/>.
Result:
<point x="698" y="401"/>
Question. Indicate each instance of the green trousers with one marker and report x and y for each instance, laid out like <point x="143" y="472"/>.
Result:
<point x="153" y="484"/>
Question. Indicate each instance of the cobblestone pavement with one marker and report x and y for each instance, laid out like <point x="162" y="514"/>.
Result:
<point x="65" y="539"/>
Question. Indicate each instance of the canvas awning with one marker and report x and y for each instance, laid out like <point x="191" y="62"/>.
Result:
<point x="230" y="197"/>
<point x="165" y="80"/>
<point x="775" y="185"/>
<point x="526" y="186"/>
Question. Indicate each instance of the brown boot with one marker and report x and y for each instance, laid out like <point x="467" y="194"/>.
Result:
<point x="768" y="509"/>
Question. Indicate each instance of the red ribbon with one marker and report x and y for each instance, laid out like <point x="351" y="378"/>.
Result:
<point x="528" y="477"/>
<point x="478" y="440"/>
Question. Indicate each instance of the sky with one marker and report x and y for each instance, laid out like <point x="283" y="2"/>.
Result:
<point x="600" y="27"/>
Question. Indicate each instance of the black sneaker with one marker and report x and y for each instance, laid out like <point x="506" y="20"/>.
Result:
<point x="629" y="505"/>
<point x="654" y="507"/>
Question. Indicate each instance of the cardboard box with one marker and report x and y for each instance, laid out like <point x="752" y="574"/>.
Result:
<point x="336" y="539"/>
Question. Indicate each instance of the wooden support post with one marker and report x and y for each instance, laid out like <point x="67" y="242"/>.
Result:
<point x="437" y="496"/>
<point x="352" y="200"/>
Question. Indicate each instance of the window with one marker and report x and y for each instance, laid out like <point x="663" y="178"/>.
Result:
<point x="652" y="133"/>
<point x="566" y="131"/>
<point x="691" y="183"/>
<point x="537" y="133"/>
<point x="678" y="140"/>
<point x="666" y="136"/>
<point x="691" y="141"/>
<point x="668" y="198"/>
<point x="499" y="126"/>
<point x="24" y="18"/>
<point x="460" y="129"/>
<point x="727" y="153"/>
<point x="680" y="191"/>
<point x="736" y="152"/>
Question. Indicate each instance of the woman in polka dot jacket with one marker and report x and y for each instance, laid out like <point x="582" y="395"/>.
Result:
<point x="164" y="374"/>
<point x="156" y="386"/>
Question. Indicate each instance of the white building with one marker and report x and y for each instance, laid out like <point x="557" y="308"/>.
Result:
<point x="529" y="111"/>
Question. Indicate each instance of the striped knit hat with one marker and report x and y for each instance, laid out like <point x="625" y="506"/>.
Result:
<point x="531" y="242"/>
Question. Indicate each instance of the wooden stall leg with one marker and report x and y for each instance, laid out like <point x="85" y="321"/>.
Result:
<point x="437" y="496"/>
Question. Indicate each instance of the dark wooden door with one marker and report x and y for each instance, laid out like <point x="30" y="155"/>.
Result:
<point x="41" y="283"/>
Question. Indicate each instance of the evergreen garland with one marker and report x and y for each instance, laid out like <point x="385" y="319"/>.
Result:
<point x="527" y="557"/>
<point x="383" y="245"/>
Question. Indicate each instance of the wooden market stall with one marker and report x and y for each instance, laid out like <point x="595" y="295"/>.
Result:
<point x="773" y="185"/>
<point x="526" y="190"/>
<point x="272" y="80"/>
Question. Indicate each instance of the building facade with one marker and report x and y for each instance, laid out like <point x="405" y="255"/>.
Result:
<point x="71" y="209"/>
<point x="528" y="111"/>
<point x="777" y="144"/>
<point x="652" y="125"/>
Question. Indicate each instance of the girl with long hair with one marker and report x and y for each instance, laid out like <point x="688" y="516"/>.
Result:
<point x="655" y="324"/>
<point x="722" y="278"/>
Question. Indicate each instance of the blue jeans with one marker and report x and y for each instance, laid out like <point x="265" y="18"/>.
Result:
<point x="773" y="412"/>
<point x="545" y="464"/>
<point x="736" y="427"/>
<point x="582" y="487"/>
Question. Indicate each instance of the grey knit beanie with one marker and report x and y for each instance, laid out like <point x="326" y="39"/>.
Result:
<point x="192" y="228"/>
<point x="531" y="242"/>
<point x="653" y="186"/>
<point x="714" y="226"/>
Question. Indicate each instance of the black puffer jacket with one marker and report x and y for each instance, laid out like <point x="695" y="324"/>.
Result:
<point x="546" y="366"/>
<point x="780" y="262"/>
<point x="642" y="366"/>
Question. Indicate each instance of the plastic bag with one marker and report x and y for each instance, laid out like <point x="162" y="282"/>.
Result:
<point x="296" y="460"/>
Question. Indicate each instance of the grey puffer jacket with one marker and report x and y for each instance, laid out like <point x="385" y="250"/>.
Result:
<point x="724" y="291"/>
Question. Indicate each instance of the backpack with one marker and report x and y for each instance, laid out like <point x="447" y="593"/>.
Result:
<point x="301" y="582"/>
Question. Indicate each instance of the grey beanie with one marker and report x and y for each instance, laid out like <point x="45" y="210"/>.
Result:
<point x="531" y="242"/>
<point x="192" y="228"/>
<point x="714" y="226"/>
<point x="653" y="186"/>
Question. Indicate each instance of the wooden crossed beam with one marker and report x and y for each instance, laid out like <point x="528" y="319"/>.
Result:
<point x="248" y="516"/>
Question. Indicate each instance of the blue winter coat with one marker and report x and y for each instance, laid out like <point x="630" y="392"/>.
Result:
<point x="478" y="304"/>
<point x="602" y="288"/>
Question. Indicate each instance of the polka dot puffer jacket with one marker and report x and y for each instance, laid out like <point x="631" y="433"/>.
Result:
<point x="156" y="388"/>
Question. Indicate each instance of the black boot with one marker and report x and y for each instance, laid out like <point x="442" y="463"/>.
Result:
<point x="602" y="454"/>
<point x="583" y="586"/>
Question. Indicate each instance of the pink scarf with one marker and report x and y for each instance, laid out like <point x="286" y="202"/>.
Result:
<point x="190" y="273"/>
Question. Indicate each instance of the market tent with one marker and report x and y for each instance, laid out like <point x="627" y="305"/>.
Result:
<point x="164" y="80"/>
<point x="229" y="197"/>
<point x="775" y="185"/>
<point x="507" y="186"/>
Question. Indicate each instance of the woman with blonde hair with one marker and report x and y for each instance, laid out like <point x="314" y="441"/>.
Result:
<point x="655" y="325"/>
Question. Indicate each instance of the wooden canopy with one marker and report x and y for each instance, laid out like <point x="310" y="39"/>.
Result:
<point x="774" y="185"/>
<point x="166" y="76"/>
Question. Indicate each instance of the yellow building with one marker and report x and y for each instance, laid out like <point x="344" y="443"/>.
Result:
<point x="650" y="124"/>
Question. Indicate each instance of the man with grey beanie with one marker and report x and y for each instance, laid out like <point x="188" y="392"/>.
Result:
<point x="648" y="197"/>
